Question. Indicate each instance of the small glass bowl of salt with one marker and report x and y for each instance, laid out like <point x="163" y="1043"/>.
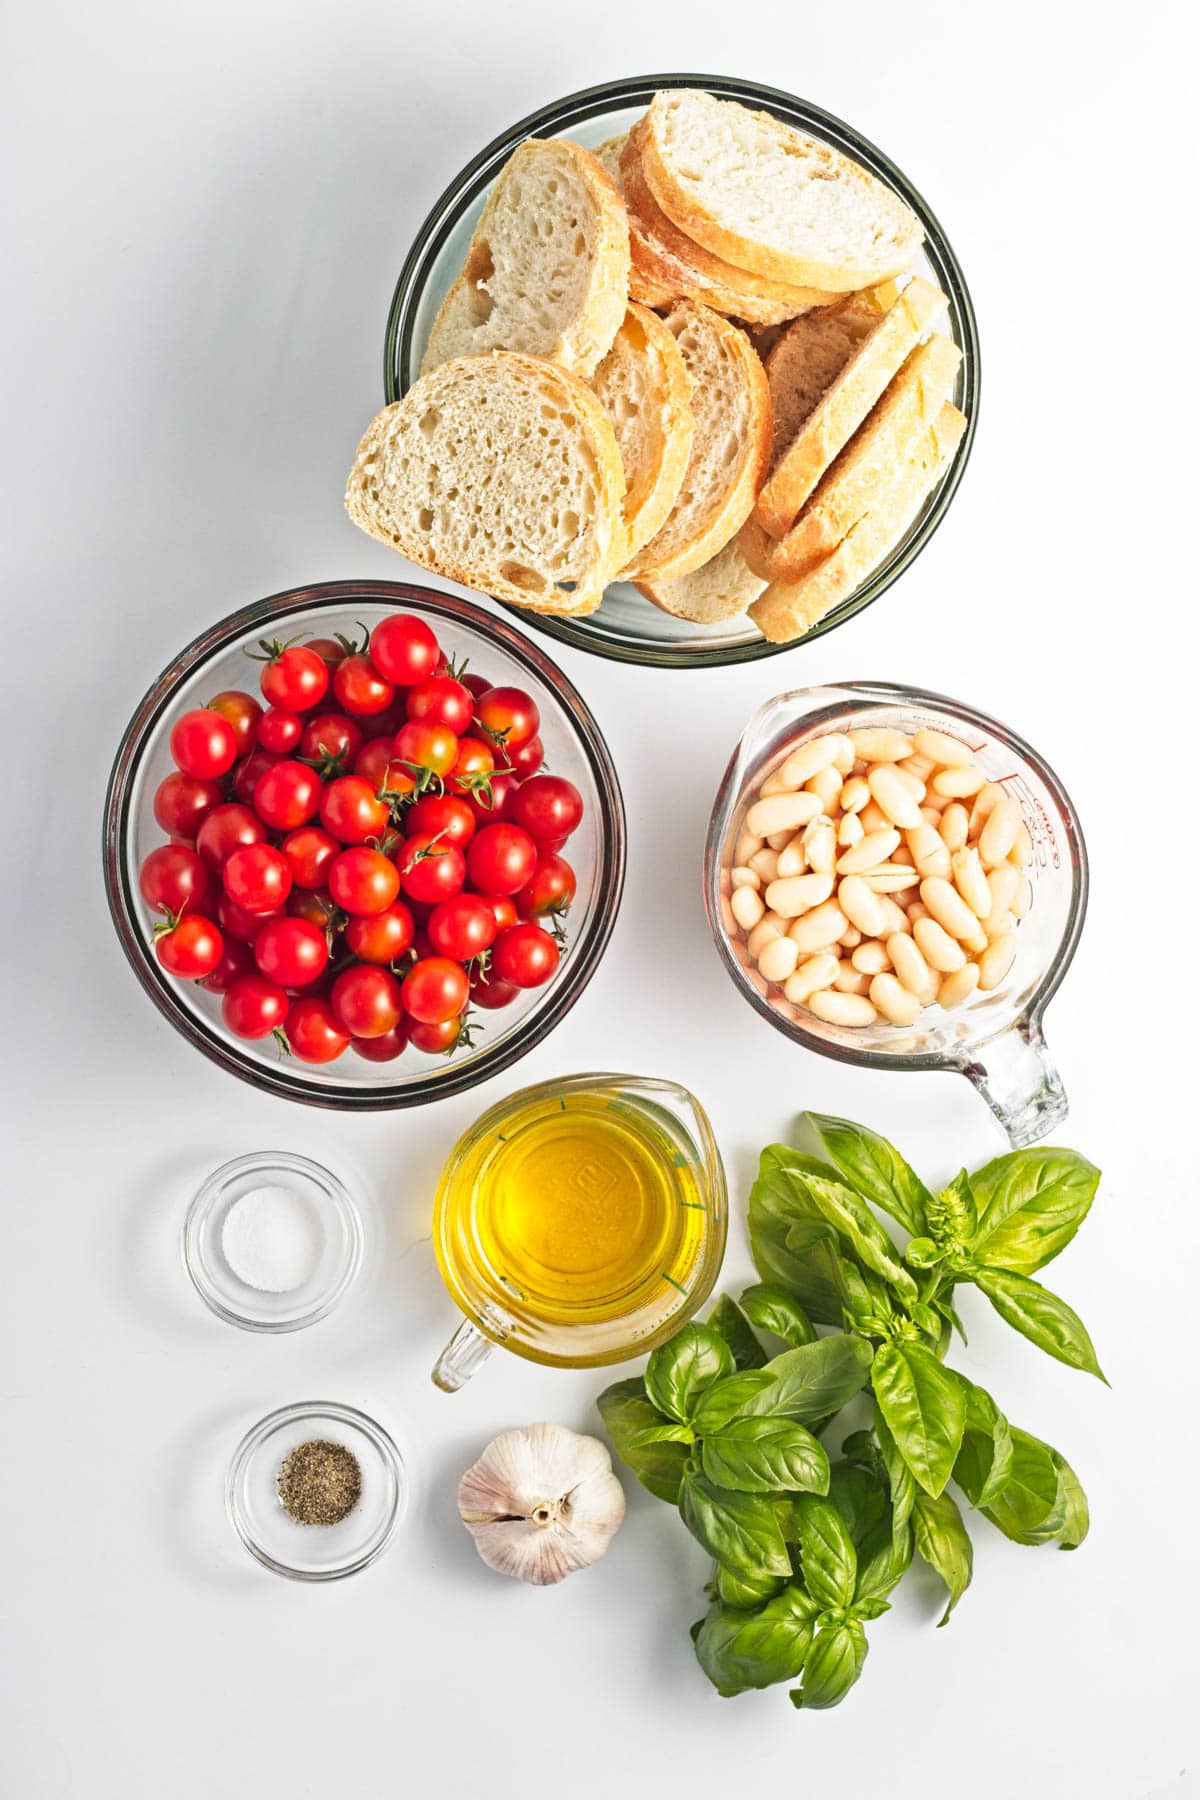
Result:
<point x="272" y="1241"/>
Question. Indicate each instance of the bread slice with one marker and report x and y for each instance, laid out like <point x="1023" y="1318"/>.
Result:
<point x="885" y="441"/>
<point x="547" y="271"/>
<point x="720" y="589"/>
<point x="845" y="402"/>
<point x="808" y="355"/>
<point x="731" y="405"/>
<point x="767" y="198"/>
<point x="644" y="285"/>
<point x="788" y="609"/>
<point x="499" y="471"/>
<point x="644" y="387"/>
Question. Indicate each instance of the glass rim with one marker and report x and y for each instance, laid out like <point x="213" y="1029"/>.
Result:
<point x="576" y="108"/>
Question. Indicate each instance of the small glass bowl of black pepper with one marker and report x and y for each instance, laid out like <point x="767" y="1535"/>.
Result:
<point x="316" y="1491"/>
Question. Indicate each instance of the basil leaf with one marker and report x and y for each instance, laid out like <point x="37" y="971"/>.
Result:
<point x="626" y="1413"/>
<point x="774" y="1309"/>
<point x="679" y="1371"/>
<point x="832" y="1666"/>
<point x="827" y="1554"/>
<point x="1033" y="1505"/>
<point x="739" y="1530"/>
<point x="874" y="1167"/>
<point x="739" y="1650"/>
<point x="1040" y="1316"/>
<point x="662" y="1434"/>
<point x="924" y="1406"/>
<point x="984" y="1462"/>
<point x="861" y="1448"/>
<point x="1075" y="1525"/>
<point x="765" y="1456"/>
<point x="1031" y="1203"/>
<point x="861" y="1498"/>
<point x="728" y="1319"/>
<point x="744" y="1590"/>
<point x="808" y="1265"/>
<point x="813" y="1380"/>
<point x="900" y="1479"/>
<point x="730" y="1399"/>
<point x="941" y="1537"/>
<point x="886" y="1569"/>
<point x="858" y="1228"/>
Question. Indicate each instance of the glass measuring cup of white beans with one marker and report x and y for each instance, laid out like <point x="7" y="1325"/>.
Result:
<point x="990" y="1033"/>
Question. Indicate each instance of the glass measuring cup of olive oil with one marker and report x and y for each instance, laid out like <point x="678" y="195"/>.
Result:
<point x="579" y="1222"/>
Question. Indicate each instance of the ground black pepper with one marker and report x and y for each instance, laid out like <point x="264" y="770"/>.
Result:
<point x="319" y="1482"/>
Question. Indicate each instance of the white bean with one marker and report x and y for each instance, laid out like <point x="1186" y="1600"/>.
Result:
<point x="998" y="923"/>
<point x="777" y="783"/>
<point x="778" y="959"/>
<point x="891" y="878"/>
<point x="971" y="882"/>
<point x="792" y="859"/>
<point x="744" y="878"/>
<point x="913" y="783"/>
<point x="850" y="980"/>
<point x="894" y="918"/>
<point x="911" y="967"/>
<point x="815" y="972"/>
<point x="796" y="894"/>
<point x="1022" y="900"/>
<point x="779" y="840"/>
<point x="747" y="907"/>
<point x="999" y="832"/>
<point x="809" y="759"/>
<point x="1021" y="854"/>
<point x="765" y="864"/>
<point x="875" y="847"/>
<point x="843" y="762"/>
<point x="861" y="906"/>
<point x="782" y="812"/>
<point x="981" y="806"/>
<point x="953" y="826"/>
<point x="871" y="958"/>
<point x="895" y="1002"/>
<point x="768" y="927"/>
<point x="880" y="744"/>
<point x="940" y="950"/>
<point x="827" y="786"/>
<point x="892" y="798"/>
<point x="851" y="938"/>
<point x="855" y="794"/>
<point x="958" y="784"/>
<point x="945" y="904"/>
<point x="873" y="817"/>
<point x="820" y="844"/>
<point x="929" y="853"/>
<point x="959" y="986"/>
<point x="819" y="929"/>
<point x="996" y="961"/>
<point x="941" y="748"/>
<point x="914" y="911"/>
<point x="842" y="1009"/>
<point x="1003" y="885"/>
<point x="921" y="767"/>
<point x="850" y="830"/>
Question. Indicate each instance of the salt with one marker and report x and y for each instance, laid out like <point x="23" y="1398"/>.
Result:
<point x="272" y="1239"/>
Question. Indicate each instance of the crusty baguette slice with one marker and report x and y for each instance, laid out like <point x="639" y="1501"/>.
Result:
<point x="845" y="403"/>
<point x="547" y="271"/>
<point x="808" y="355"/>
<point x="766" y="198"/>
<point x="731" y="404"/>
<point x="644" y="284"/>
<point x="721" y="589"/>
<point x="644" y="387"/>
<point x="790" y="608"/>
<point x="499" y="471"/>
<point x="885" y="441"/>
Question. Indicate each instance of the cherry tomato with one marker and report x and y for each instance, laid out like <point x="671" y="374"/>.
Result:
<point x="381" y="937"/>
<point x="204" y="744"/>
<point x="191" y="948"/>
<point x="183" y="802"/>
<point x="550" y="890"/>
<point x="526" y="759"/>
<point x="330" y="650"/>
<point x="310" y="851"/>
<point x="172" y="878"/>
<point x="404" y="649"/>
<point x="253" y="1007"/>
<point x="378" y="763"/>
<point x="237" y="959"/>
<point x="291" y="951"/>
<point x="463" y="927"/>
<point x="366" y="1001"/>
<point x="490" y="992"/>
<point x="442" y="816"/>
<point x="440" y="700"/>
<point x="257" y="878"/>
<point x="475" y="684"/>
<point x="332" y="741"/>
<point x="430" y="869"/>
<point x="384" y="1048"/>
<point x="240" y="926"/>
<point x="508" y="716"/>
<point x="472" y="768"/>
<point x="287" y="795"/>
<point x="352" y="811"/>
<point x="434" y="990"/>
<point x="247" y="773"/>
<point x="317" y="908"/>
<point x="313" y="1033"/>
<point x="504" y="910"/>
<point x="494" y="801"/>
<point x="294" y="677"/>
<point x="548" y="808"/>
<point x="435" y="1039"/>
<point x="525" y="955"/>
<point x="225" y="830"/>
<point x="426" y="746"/>
<point x="360" y="688"/>
<point x="363" y="881"/>
<point x="501" y="859"/>
<point x="279" y="731"/>
<point x="242" y="712"/>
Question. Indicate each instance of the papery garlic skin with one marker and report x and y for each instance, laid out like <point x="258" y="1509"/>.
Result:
<point x="541" y="1502"/>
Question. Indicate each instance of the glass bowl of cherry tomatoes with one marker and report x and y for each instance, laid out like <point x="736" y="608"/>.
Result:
<point x="364" y="844"/>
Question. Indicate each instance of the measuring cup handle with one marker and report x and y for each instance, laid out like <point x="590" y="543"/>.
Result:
<point x="1016" y="1077"/>
<point x="464" y="1353"/>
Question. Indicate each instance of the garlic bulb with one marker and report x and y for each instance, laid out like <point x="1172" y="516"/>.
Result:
<point x="541" y="1502"/>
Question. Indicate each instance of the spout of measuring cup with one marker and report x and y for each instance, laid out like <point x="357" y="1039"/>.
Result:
<point x="1020" y="1083"/>
<point x="467" y="1349"/>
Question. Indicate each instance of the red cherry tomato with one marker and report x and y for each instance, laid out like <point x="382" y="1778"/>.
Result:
<point x="490" y="992"/>
<point x="442" y="816"/>
<point x="440" y="700"/>
<point x="242" y="712"/>
<point x="384" y="1048"/>
<point x="352" y="811"/>
<point x="291" y="951"/>
<point x="501" y="859"/>
<point x="548" y="808"/>
<point x="309" y="852"/>
<point x="313" y="1033"/>
<point x="472" y="768"/>
<point x="174" y="878"/>
<point x="254" y="1007"/>
<point x="439" y="1038"/>
<point x="404" y="649"/>
<point x="258" y="878"/>
<point x="294" y="677"/>
<point x="425" y="746"/>
<point x="182" y="803"/>
<point x="332" y="741"/>
<point x="475" y="684"/>
<point x="378" y="764"/>
<point x="287" y="795"/>
<point x="225" y="830"/>
<point x="435" y="990"/>
<point x="330" y="650"/>
<point x="430" y="869"/>
<point x="363" y="881"/>
<point x="494" y="801"/>
<point x="280" y="732"/>
<point x="317" y="908"/>
<point x="508" y="716"/>
<point x="381" y="937"/>
<point x="463" y="927"/>
<point x="237" y="959"/>
<point x="504" y="910"/>
<point x="525" y="955"/>
<point x="191" y="948"/>
<point x="247" y="773"/>
<point x="239" y="925"/>
<point x="360" y="688"/>
<point x="204" y="744"/>
<point x="550" y="890"/>
<point x="366" y="1001"/>
<point x="526" y="759"/>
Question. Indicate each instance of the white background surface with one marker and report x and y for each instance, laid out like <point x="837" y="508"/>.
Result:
<point x="207" y="206"/>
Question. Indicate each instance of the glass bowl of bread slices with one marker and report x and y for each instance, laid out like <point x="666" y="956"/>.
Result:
<point x="681" y="367"/>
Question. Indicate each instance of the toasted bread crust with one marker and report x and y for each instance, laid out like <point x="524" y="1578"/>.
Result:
<point x="656" y="455"/>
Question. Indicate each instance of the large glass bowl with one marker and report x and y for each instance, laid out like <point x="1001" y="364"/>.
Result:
<point x="574" y="748"/>
<point x="627" y="627"/>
